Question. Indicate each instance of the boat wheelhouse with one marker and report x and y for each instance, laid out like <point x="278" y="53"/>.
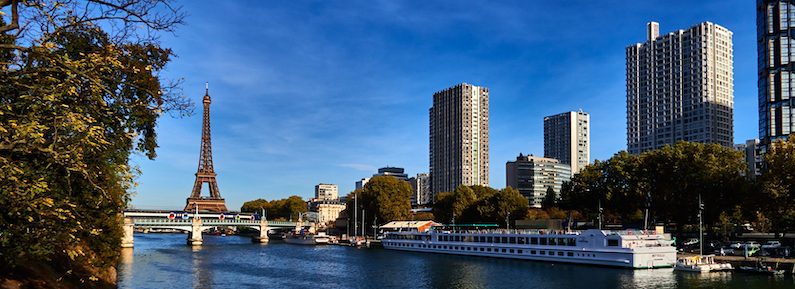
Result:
<point x="630" y="248"/>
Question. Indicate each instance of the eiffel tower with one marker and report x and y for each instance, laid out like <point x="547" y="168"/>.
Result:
<point x="206" y="173"/>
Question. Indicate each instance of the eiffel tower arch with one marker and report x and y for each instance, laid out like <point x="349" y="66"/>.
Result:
<point x="206" y="172"/>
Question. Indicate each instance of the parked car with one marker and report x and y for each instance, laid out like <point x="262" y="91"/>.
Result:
<point x="745" y="228"/>
<point x="752" y="244"/>
<point x="727" y="251"/>
<point x="691" y="241"/>
<point x="735" y="244"/>
<point x="765" y="253"/>
<point x="771" y="245"/>
<point x="784" y="252"/>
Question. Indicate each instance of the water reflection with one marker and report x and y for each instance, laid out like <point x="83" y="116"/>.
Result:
<point x="202" y="272"/>
<point x="656" y="278"/>
<point x="125" y="268"/>
<point x="164" y="261"/>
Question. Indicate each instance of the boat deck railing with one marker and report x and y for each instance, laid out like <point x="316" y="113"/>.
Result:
<point x="508" y="231"/>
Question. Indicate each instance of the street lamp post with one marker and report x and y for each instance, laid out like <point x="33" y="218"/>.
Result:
<point x="508" y="220"/>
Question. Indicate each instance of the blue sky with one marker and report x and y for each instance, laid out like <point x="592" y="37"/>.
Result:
<point x="328" y="91"/>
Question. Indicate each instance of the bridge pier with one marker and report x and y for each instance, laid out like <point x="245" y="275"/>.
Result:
<point x="195" y="236"/>
<point x="263" y="232"/>
<point x="128" y="228"/>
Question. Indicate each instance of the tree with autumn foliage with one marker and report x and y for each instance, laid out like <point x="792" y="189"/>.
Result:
<point x="668" y="180"/>
<point x="80" y="90"/>
<point x="777" y="201"/>
<point x="383" y="199"/>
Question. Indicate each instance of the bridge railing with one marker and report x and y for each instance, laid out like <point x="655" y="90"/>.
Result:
<point x="210" y="222"/>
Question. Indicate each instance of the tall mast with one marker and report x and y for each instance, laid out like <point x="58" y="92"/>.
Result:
<point x="355" y="215"/>
<point x="700" y="229"/>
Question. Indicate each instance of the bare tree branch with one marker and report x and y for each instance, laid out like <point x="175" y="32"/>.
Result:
<point x="14" y="16"/>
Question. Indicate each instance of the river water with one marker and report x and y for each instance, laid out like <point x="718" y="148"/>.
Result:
<point x="164" y="261"/>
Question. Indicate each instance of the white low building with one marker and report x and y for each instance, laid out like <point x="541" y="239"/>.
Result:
<point x="327" y="210"/>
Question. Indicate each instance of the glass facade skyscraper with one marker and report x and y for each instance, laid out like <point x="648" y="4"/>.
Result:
<point x="533" y="176"/>
<point x="775" y="23"/>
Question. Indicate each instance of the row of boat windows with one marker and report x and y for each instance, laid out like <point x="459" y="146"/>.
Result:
<point x="407" y="237"/>
<point x="497" y="240"/>
<point x="495" y="250"/>
<point x="511" y="240"/>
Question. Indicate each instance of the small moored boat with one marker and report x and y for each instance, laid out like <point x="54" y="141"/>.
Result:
<point x="761" y="269"/>
<point x="701" y="263"/>
<point x="302" y="238"/>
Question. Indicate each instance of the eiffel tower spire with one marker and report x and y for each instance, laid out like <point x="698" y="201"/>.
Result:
<point x="206" y="172"/>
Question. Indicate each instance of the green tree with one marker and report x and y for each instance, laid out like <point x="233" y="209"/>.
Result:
<point x="443" y="207"/>
<point x="423" y="216"/>
<point x="80" y="89"/>
<point x="549" y="200"/>
<point x="508" y="202"/>
<point x="255" y="206"/>
<point x="281" y="209"/>
<point x="385" y="198"/>
<point x="673" y="177"/>
<point x="679" y="173"/>
<point x="479" y="204"/>
<point x="778" y="185"/>
<point x="293" y="206"/>
<point x="457" y="206"/>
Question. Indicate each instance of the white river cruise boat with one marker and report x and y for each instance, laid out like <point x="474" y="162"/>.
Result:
<point x="629" y="249"/>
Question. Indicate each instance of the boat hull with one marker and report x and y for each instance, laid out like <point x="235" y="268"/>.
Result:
<point x="300" y="241"/>
<point x="599" y="258"/>
<point x="307" y="240"/>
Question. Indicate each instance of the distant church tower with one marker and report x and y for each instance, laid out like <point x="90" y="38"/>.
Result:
<point x="206" y="173"/>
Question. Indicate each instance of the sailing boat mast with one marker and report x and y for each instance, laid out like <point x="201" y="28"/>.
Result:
<point x="355" y="215"/>
<point x="700" y="229"/>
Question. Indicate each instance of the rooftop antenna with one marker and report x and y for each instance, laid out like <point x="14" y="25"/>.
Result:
<point x="206" y="88"/>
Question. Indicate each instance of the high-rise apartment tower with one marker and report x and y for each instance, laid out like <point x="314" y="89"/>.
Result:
<point x="680" y="86"/>
<point x="567" y="139"/>
<point x="459" y="138"/>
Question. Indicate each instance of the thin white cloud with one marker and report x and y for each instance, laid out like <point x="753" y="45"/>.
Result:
<point x="358" y="167"/>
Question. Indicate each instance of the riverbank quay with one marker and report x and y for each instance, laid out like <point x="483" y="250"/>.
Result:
<point x="370" y="243"/>
<point x="786" y="264"/>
